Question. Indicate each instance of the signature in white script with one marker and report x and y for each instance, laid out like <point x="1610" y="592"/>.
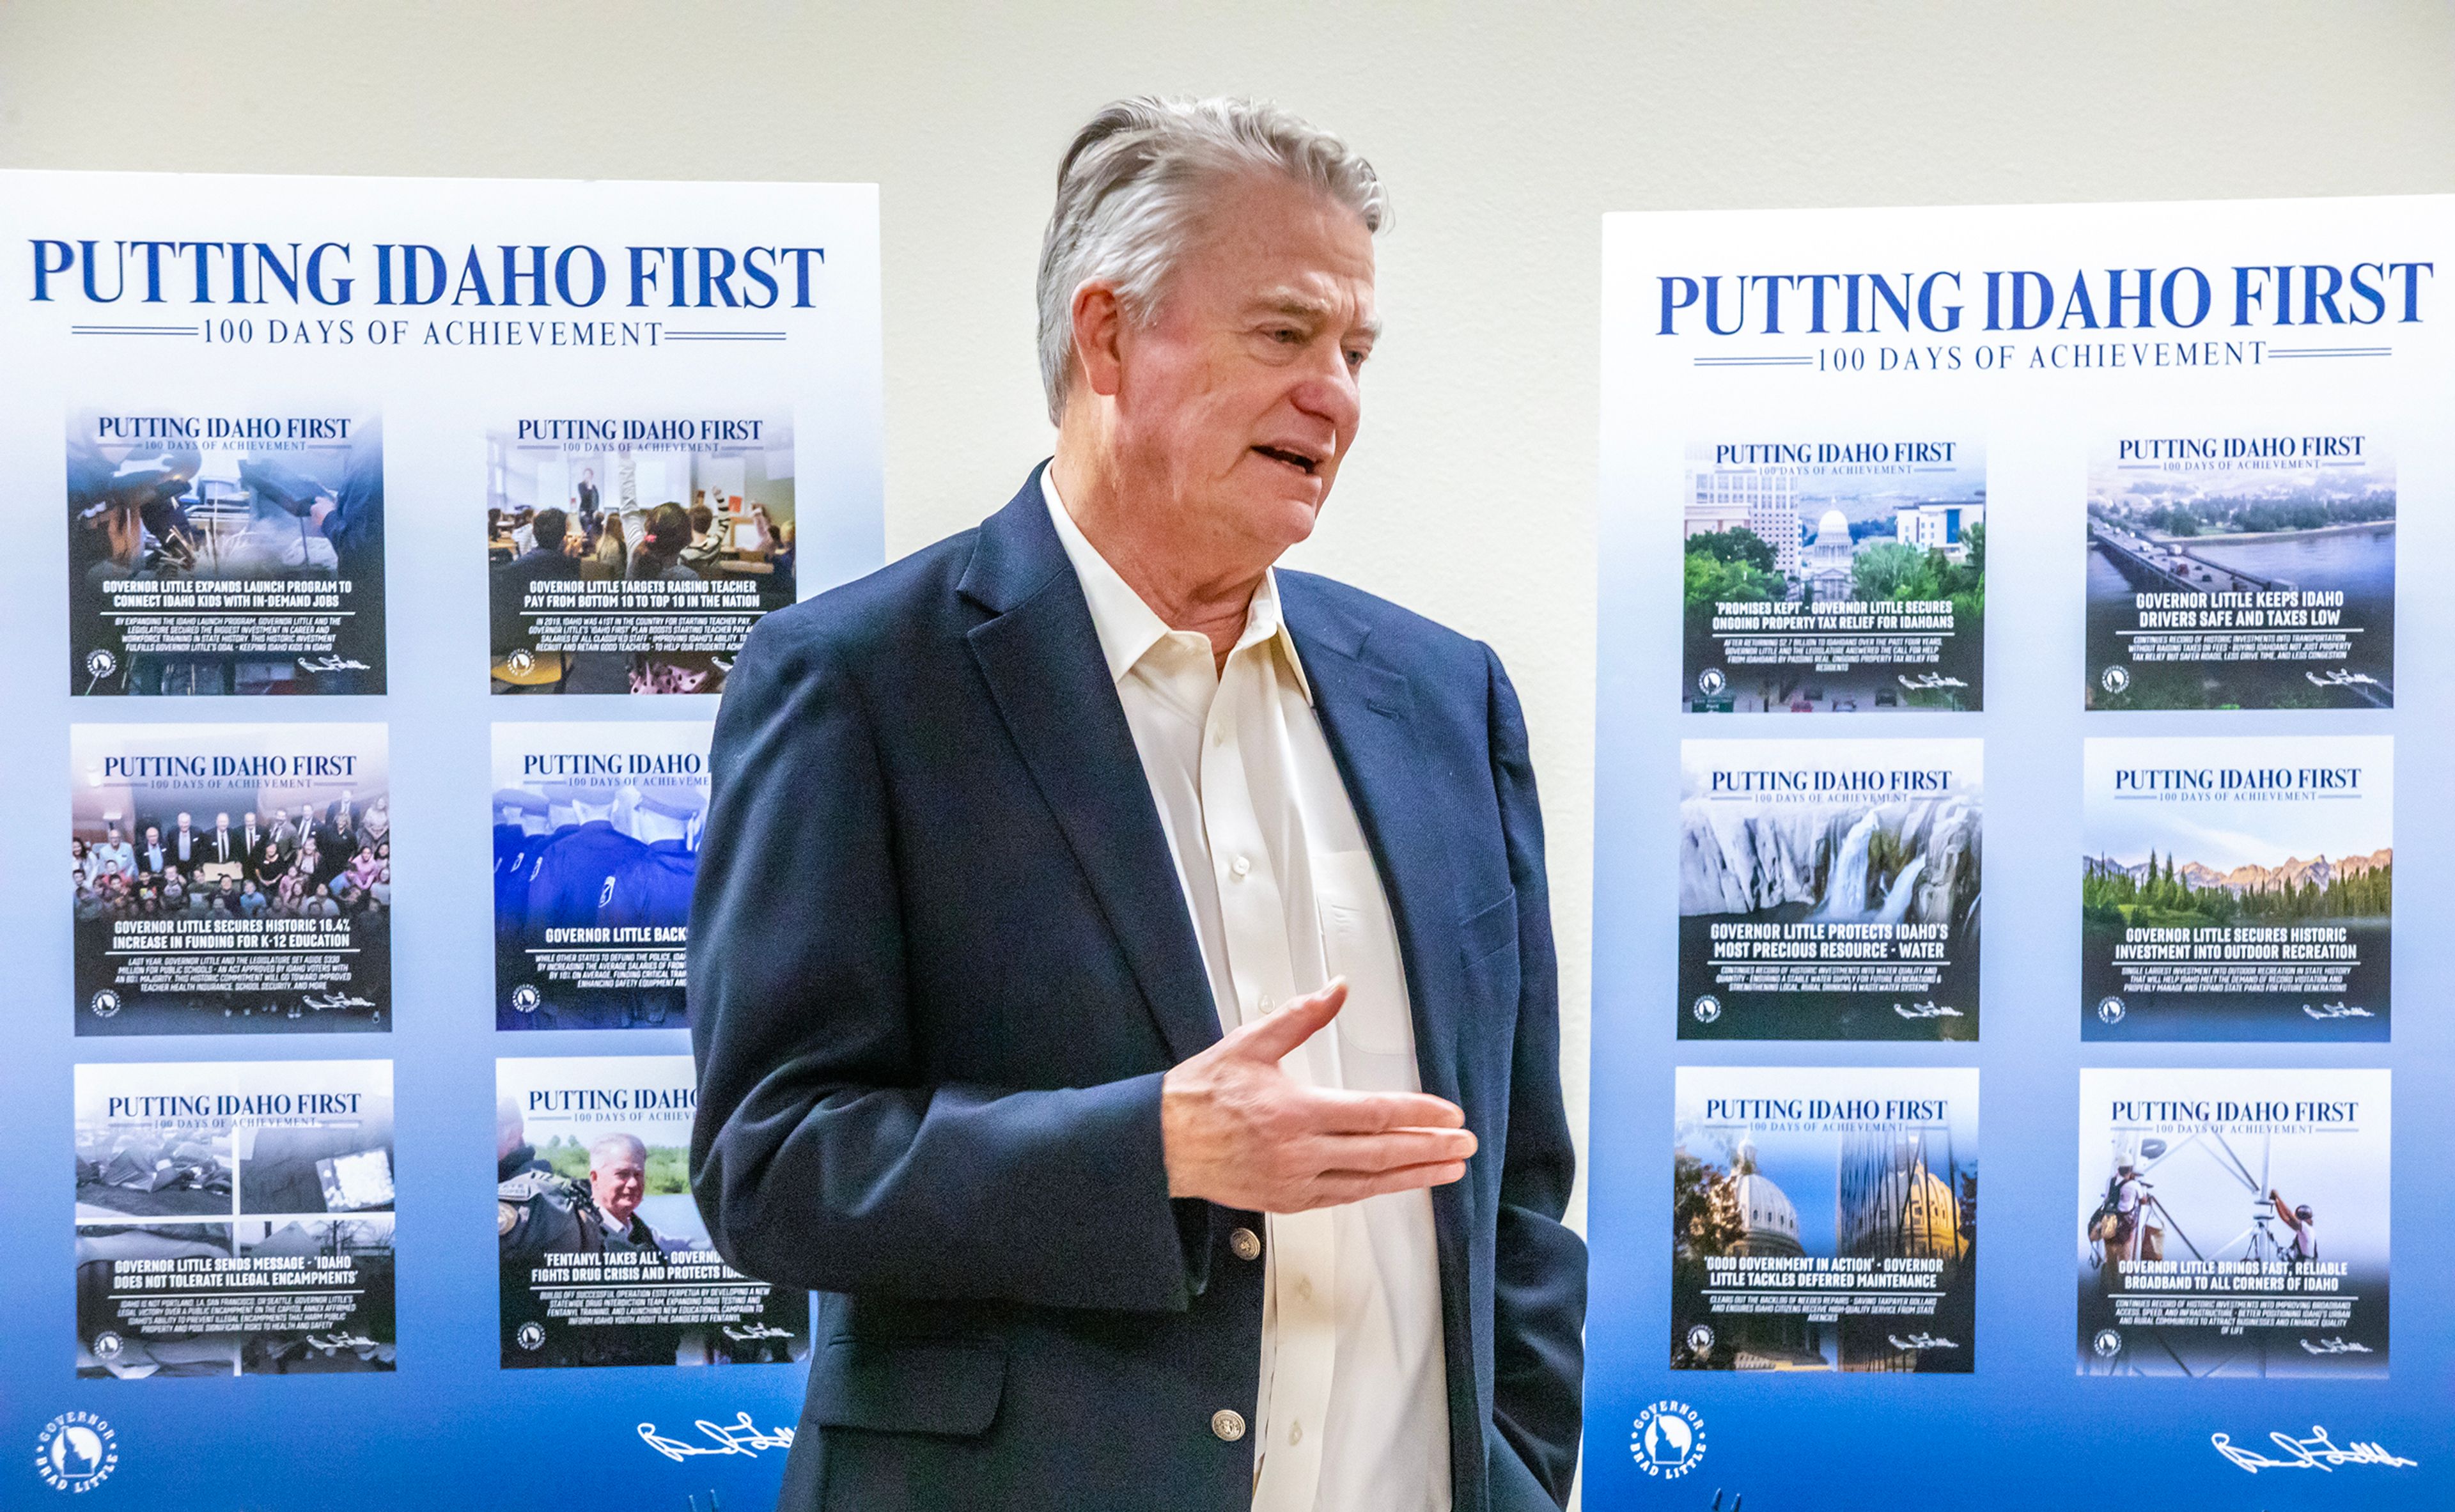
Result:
<point x="738" y="1436"/>
<point x="2335" y="1346"/>
<point x="1920" y="1341"/>
<point x="2316" y="1452"/>
<point x="330" y="664"/>
<point x="2341" y="678"/>
<point x="1926" y="681"/>
<point x="1926" y="1009"/>
<point x="2337" y="1010"/>
<point x="755" y="1331"/>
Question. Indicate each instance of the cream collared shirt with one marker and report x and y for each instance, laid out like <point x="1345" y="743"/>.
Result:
<point x="1353" y="1409"/>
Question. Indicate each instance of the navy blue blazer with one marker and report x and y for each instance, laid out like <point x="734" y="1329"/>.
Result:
<point x="940" y="961"/>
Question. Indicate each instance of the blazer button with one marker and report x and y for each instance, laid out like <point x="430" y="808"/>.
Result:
<point x="1228" y="1423"/>
<point x="1245" y="1244"/>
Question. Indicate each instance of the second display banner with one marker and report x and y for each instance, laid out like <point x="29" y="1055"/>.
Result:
<point x="2043" y="683"/>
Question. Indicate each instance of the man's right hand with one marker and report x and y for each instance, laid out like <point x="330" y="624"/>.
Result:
<point x="1240" y="1132"/>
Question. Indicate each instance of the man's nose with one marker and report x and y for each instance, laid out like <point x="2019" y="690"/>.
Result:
<point x="1329" y="390"/>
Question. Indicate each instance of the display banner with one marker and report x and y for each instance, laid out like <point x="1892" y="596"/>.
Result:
<point x="1998" y="609"/>
<point x="252" y="428"/>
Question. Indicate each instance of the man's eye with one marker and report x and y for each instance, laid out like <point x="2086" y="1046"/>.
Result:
<point x="1355" y="361"/>
<point x="1285" y="336"/>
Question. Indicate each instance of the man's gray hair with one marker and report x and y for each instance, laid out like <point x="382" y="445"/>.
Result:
<point x="1130" y="194"/>
<point x="617" y="1144"/>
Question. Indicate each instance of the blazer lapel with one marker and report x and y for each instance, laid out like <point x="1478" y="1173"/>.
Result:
<point x="1368" y="708"/>
<point x="1041" y="657"/>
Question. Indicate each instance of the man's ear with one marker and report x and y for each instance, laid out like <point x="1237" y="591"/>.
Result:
<point x="1099" y="337"/>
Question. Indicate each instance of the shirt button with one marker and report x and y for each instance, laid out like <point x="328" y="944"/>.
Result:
<point x="1241" y="865"/>
<point x="1245" y="1244"/>
<point x="1295" y="1432"/>
<point x="1304" y="1287"/>
<point x="1228" y="1423"/>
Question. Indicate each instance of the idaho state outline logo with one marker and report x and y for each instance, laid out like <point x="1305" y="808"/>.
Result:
<point x="75" y="1452"/>
<point x="1668" y="1440"/>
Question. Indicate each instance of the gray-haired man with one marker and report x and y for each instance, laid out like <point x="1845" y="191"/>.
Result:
<point x="1121" y="971"/>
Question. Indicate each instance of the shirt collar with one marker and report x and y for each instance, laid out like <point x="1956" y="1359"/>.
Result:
<point x="1128" y="628"/>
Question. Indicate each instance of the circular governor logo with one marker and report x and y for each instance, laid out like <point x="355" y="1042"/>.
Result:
<point x="521" y="660"/>
<point x="107" y="1346"/>
<point x="1710" y="681"/>
<point x="76" y="1451"/>
<point x="101" y="663"/>
<point x="105" y="1003"/>
<point x="1700" y="1339"/>
<point x="2114" y="679"/>
<point x="524" y="1000"/>
<point x="1669" y="1439"/>
<point x="1707" y="1009"/>
<point x="2110" y="1009"/>
<point x="532" y="1336"/>
<point x="2107" y="1343"/>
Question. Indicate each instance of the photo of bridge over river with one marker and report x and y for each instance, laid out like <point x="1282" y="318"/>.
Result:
<point x="2241" y="573"/>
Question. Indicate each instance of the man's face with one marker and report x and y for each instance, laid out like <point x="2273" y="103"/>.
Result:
<point x="619" y="1180"/>
<point x="152" y="836"/>
<point x="1237" y="404"/>
<point x="183" y="821"/>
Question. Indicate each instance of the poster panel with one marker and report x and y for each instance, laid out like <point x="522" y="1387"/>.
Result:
<point x="1834" y="576"/>
<point x="605" y="1259"/>
<point x="227" y="548"/>
<point x="235" y="1218"/>
<point x="2242" y="571"/>
<point x="2233" y="1224"/>
<point x="1825" y="1218"/>
<point x="1830" y="889"/>
<point x="2239" y="888"/>
<point x="597" y="831"/>
<point x="634" y="554"/>
<point x="232" y="878"/>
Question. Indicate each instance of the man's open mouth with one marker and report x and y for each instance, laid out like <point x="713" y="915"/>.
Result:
<point x="1294" y="459"/>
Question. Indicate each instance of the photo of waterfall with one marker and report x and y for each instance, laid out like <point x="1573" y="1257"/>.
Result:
<point x="1829" y="889"/>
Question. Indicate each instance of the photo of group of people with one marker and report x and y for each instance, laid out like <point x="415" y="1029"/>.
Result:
<point x="634" y="556"/>
<point x="231" y="879"/>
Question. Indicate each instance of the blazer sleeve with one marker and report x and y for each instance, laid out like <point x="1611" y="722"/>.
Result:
<point x="1539" y="1267"/>
<point x="821" y="1156"/>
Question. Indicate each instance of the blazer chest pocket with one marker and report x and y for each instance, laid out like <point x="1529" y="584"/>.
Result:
<point x="947" y="1386"/>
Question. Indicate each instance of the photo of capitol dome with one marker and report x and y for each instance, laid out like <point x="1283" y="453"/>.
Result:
<point x="1771" y="1221"/>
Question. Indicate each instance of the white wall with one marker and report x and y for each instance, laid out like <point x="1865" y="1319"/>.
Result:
<point x="1504" y="132"/>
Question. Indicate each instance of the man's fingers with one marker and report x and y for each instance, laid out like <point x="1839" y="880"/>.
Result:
<point x="1291" y="1024"/>
<point x="1338" y="1187"/>
<point x="1395" y="1150"/>
<point x="1336" y="1111"/>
